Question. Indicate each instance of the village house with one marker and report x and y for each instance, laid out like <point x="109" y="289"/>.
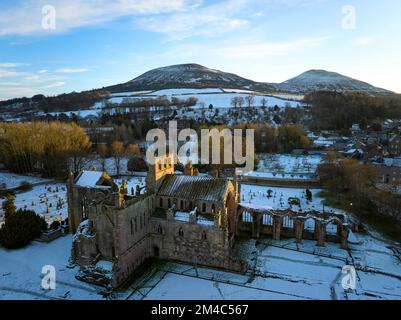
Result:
<point x="394" y="145"/>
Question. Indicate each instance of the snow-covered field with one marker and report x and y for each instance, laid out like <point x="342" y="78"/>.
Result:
<point x="289" y="163"/>
<point x="219" y="98"/>
<point x="281" y="270"/>
<point x="258" y="195"/>
<point x="277" y="270"/>
<point x="46" y="198"/>
<point x="10" y="180"/>
<point x="21" y="273"/>
<point x="43" y="199"/>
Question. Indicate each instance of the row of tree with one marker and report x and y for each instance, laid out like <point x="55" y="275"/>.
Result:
<point x="284" y="138"/>
<point x="337" y="111"/>
<point x="157" y="104"/>
<point x="249" y="101"/>
<point x="48" y="148"/>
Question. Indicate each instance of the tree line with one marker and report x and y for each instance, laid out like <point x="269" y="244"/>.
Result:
<point x="284" y="138"/>
<point x="159" y="103"/>
<point x="338" y="111"/>
<point x="49" y="148"/>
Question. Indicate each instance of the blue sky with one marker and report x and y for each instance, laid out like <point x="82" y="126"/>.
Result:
<point x="98" y="43"/>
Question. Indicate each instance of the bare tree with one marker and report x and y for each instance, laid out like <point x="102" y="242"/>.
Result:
<point x="103" y="151"/>
<point x="234" y="102"/>
<point x="241" y="102"/>
<point x="118" y="152"/>
<point x="250" y="100"/>
<point x="264" y="102"/>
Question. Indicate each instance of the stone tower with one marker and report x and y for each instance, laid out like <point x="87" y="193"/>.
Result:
<point x="163" y="166"/>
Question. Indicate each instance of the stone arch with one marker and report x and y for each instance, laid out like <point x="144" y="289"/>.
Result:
<point x="332" y="227"/>
<point x="267" y="219"/>
<point x="309" y="224"/>
<point x="213" y="208"/>
<point x="156" y="251"/>
<point x="246" y="216"/>
<point x="288" y="222"/>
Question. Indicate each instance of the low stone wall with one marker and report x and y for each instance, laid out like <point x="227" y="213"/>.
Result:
<point x="288" y="183"/>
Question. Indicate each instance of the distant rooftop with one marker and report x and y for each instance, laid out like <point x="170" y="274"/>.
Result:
<point x="90" y="179"/>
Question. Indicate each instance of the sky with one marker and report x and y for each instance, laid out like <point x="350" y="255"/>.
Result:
<point x="56" y="46"/>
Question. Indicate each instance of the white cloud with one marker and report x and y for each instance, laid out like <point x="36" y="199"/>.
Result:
<point x="262" y="50"/>
<point x="25" y="17"/>
<point x="208" y="20"/>
<point x="54" y="85"/>
<point x="18" y="83"/>
<point x="7" y="73"/>
<point x="10" y="64"/>
<point x="364" y="41"/>
<point x="72" y="70"/>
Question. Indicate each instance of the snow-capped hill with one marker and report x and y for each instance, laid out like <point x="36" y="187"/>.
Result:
<point x="315" y="80"/>
<point x="188" y="74"/>
<point x="185" y="75"/>
<point x="196" y="76"/>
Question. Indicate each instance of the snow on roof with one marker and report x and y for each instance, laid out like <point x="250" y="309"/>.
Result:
<point x="392" y="162"/>
<point x="280" y="175"/>
<point x="194" y="187"/>
<point x="255" y="206"/>
<point x="105" y="265"/>
<point x="89" y="179"/>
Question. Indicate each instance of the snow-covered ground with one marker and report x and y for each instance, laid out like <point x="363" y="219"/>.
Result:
<point x="289" y="163"/>
<point x="10" y="180"/>
<point x="43" y="199"/>
<point x="21" y="273"/>
<point x="281" y="270"/>
<point x="185" y="91"/>
<point x="46" y="198"/>
<point x="277" y="270"/>
<point x="258" y="195"/>
<point x="132" y="183"/>
<point x="218" y="100"/>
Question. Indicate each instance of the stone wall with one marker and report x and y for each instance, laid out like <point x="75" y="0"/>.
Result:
<point x="132" y="238"/>
<point x="192" y="243"/>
